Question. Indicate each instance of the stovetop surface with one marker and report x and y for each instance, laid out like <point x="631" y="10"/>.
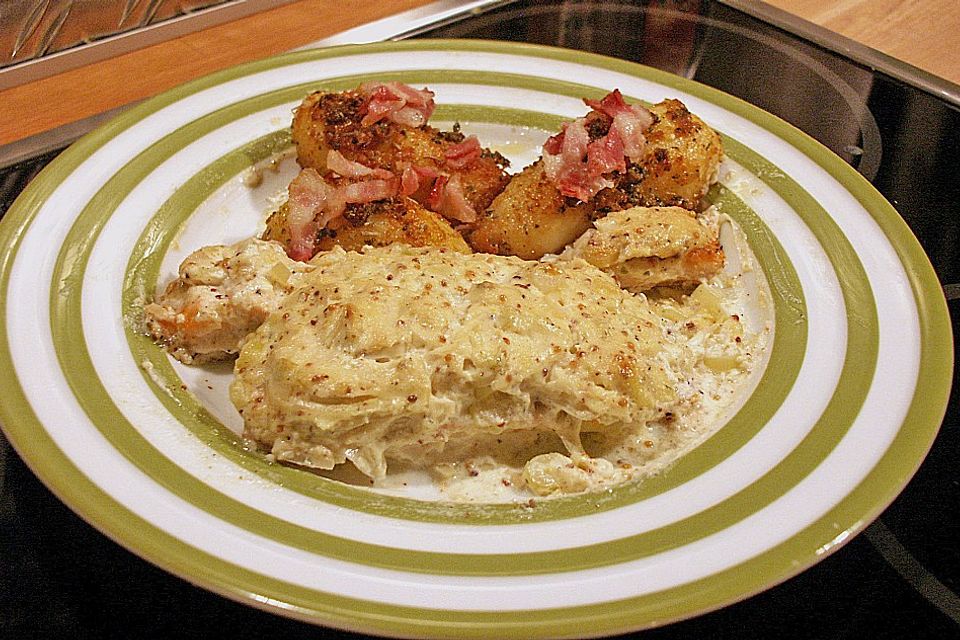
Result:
<point x="900" y="579"/>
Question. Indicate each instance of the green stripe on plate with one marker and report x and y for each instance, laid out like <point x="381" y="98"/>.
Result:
<point x="798" y="552"/>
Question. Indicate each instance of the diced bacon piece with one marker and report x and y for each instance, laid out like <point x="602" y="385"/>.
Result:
<point x="450" y="200"/>
<point x="566" y="169"/>
<point x="575" y="141"/>
<point x="463" y="154"/>
<point x="456" y="205"/>
<point x="309" y="196"/>
<point x="578" y="166"/>
<point x="313" y="203"/>
<point x="629" y="121"/>
<point x="555" y="142"/>
<point x="606" y="155"/>
<point x="397" y="102"/>
<point x="414" y="176"/>
<point x="414" y="97"/>
<point x="581" y="185"/>
<point x="630" y="128"/>
<point x="337" y="163"/>
<point x="611" y="104"/>
<point x="426" y="172"/>
<point x="368" y="191"/>
<point x="435" y="197"/>
<point x="409" y="181"/>
<point x="381" y="104"/>
<point x="409" y="117"/>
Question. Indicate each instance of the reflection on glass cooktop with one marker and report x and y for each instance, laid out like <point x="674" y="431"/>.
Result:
<point x="901" y="578"/>
<point x="59" y="578"/>
<point x="900" y="138"/>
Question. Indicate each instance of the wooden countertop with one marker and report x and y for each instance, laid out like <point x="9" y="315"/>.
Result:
<point x="925" y="33"/>
<point x="102" y="86"/>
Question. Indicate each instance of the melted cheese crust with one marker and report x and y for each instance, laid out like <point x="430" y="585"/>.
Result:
<point x="647" y="247"/>
<point x="396" y="354"/>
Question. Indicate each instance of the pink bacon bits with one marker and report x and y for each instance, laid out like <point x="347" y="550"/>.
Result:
<point x="310" y="206"/>
<point x="313" y="203"/>
<point x="629" y="121"/>
<point x="578" y="166"/>
<point x="396" y="102"/>
<point x="448" y="199"/>
<point x="337" y="163"/>
<point x="413" y="176"/>
<point x="463" y="154"/>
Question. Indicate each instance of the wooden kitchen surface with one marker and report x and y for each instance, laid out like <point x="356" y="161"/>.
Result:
<point x="925" y="33"/>
<point x="38" y="106"/>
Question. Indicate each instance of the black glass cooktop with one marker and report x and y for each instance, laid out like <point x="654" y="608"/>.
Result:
<point x="896" y="126"/>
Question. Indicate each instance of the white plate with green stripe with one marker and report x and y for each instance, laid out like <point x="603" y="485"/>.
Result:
<point x="855" y="388"/>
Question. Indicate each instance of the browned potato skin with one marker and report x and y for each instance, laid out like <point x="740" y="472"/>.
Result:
<point x="326" y="121"/>
<point x="378" y="224"/>
<point x="387" y="222"/>
<point x="530" y="218"/>
<point x="679" y="163"/>
<point x="277" y="227"/>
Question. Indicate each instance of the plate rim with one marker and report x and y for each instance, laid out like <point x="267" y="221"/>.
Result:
<point x="931" y="307"/>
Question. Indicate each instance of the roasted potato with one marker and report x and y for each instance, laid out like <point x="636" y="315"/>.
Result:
<point x="531" y="218"/>
<point x="679" y="163"/>
<point x="333" y="121"/>
<point x="376" y="224"/>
